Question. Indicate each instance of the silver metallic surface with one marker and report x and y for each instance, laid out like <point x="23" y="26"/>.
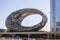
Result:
<point x="13" y="21"/>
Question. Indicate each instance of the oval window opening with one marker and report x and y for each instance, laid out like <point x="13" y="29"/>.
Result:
<point x="31" y="20"/>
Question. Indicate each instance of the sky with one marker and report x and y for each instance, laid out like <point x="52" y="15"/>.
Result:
<point x="9" y="6"/>
<point x="32" y="20"/>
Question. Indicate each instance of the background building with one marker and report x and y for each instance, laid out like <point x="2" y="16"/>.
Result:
<point x="58" y="26"/>
<point x="55" y="15"/>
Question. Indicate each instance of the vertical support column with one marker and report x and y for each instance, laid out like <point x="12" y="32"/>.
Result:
<point x="0" y="36"/>
<point x="55" y="35"/>
<point x="28" y="36"/>
<point x="13" y="36"/>
<point x="48" y="36"/>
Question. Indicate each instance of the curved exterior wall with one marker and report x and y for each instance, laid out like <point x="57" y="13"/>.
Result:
<point x="13" y="21"/>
